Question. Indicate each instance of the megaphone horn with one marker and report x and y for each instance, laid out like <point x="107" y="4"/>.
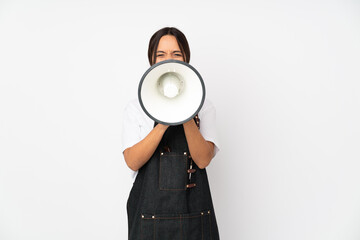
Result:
<point x="171" y="92"/>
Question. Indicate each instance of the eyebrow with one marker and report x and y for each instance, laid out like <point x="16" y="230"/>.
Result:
<point x="176" y="51"/>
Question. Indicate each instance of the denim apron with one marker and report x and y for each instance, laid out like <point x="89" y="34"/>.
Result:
<point x="170" y="198"/>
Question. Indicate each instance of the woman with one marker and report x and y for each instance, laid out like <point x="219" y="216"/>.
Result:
<point x="170" y="198"/>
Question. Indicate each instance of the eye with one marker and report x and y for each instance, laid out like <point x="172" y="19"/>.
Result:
<point x="160" y="55"/>
<point x="178" y="55"/>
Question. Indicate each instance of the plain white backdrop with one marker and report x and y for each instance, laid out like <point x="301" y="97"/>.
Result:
<point x="283" y="75"/>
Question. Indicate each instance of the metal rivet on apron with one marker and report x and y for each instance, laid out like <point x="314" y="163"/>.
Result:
<point x="161" y="154"/>
<point x="202" y="213"/>
<point x="153" y="216"/>
<point x="209" y="212"/>
<point x="142" y="216"/>
<point x="185" y="153"/>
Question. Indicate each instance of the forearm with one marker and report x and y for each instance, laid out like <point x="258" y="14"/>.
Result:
<point x="201" y="150"/>
<point x="137" y="155"/>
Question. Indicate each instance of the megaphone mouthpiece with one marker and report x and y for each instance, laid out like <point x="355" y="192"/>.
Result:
<point x="170" y="85"/>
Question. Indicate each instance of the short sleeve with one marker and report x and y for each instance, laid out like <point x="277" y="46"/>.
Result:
<point x="207" y="117"/>
<point x="130" y="131"/>
<point x="130" y="128"/>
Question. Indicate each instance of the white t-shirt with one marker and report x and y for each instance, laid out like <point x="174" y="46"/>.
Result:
<point x="137" y="125"/>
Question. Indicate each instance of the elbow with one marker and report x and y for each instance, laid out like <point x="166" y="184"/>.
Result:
<point x="202" y="166"/>
<point x="131" y="166"/>
<point x="204" y="163"/>
<point x="205" y="160"/>
<point x="129" y="162"/>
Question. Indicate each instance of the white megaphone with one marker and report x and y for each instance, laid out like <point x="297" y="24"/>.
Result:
<point x="171" y="92"/>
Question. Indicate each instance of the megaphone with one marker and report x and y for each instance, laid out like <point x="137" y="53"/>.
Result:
<point x="171" y="92"/>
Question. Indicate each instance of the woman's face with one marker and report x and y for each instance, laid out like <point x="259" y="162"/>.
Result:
<point x="168" y="48"/>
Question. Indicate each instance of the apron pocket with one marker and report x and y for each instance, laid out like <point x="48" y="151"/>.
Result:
<point x="172" y="171"/>
<point x="190" y="226"/>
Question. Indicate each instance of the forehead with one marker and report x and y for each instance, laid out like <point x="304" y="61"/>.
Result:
<point x="168" y="42"/>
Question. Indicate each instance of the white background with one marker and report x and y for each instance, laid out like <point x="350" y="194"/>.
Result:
<point x="283" y="75"/>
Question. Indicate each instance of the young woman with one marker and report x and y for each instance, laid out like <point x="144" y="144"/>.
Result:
<point x="170" y="198"/>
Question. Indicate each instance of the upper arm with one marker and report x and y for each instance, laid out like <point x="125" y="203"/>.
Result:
<point x="207" y="117"/>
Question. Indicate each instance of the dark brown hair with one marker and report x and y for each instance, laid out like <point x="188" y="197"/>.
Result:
<point x="180" y="38"/>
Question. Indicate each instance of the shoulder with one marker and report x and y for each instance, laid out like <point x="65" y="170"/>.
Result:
<point x="132" y="104"/>
<point x="133" y="107"/>
<point x="134" y="112"/>
<point x="208" y="106"/>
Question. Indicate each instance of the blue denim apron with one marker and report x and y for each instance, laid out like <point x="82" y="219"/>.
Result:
<point x="170" y="198"/>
